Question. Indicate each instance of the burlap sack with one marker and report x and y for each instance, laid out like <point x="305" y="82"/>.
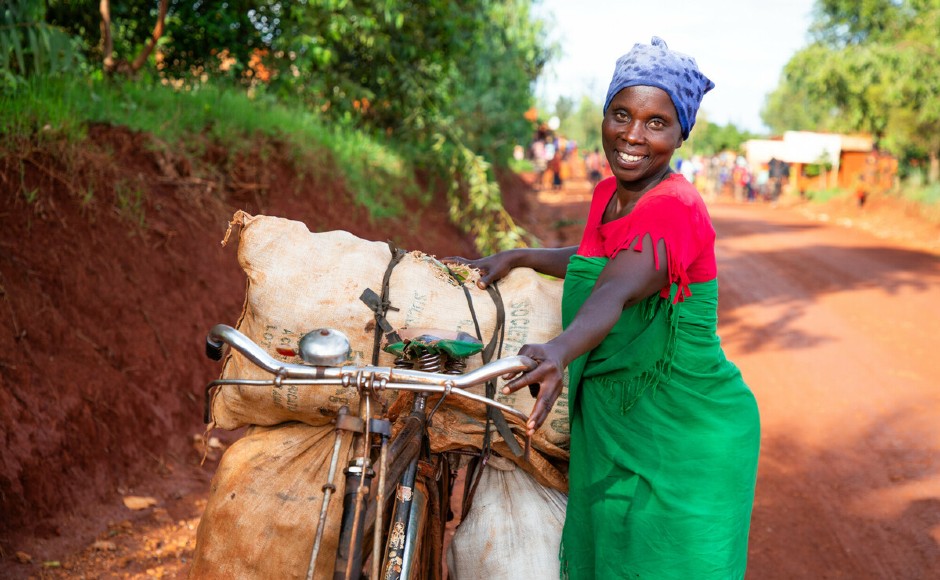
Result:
<point x="264" y="505"/>
<point x="513" y="530"/>
<point x="299" y="281"/>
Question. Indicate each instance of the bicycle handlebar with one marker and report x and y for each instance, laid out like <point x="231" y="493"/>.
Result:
<point x="360" y="376"/>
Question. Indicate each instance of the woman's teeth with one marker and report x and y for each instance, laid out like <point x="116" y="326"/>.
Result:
<point x="628" y="158"/>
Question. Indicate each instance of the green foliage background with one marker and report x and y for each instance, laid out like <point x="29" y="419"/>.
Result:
<point x="440" y="86"/>
<point x="873" y="66"/>
<point x="444" y="85"/>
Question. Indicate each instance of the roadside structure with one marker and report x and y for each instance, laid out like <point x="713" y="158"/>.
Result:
<point x="818" y="161"/>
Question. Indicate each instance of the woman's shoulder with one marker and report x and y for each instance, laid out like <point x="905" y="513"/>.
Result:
<point x="675" y="189"/>
<point x="676" y="185"/>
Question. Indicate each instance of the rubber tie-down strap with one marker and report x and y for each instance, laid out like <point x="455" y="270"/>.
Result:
<point x="493" y="415"/>
<point x="494" y="346"/>
<point x="380" y="305"/>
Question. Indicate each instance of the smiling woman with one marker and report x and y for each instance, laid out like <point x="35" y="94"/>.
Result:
<point x="664" y="431"/>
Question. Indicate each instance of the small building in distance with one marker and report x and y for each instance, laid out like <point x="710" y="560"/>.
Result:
<point x="818" y="161"/>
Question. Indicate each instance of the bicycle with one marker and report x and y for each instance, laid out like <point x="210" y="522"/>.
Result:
<point x="413" y="486"/>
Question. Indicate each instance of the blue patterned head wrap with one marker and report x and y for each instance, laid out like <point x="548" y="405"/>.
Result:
<point x="654" y="65"/>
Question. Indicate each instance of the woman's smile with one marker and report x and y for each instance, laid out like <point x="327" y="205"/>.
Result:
<point x="628" y="159"/>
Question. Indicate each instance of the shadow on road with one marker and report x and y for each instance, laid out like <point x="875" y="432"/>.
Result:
<point x="815" y="508"/>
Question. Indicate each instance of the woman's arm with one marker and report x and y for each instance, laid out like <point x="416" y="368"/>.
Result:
<point x="627" y="279"/>
<point x="551" y="261"/>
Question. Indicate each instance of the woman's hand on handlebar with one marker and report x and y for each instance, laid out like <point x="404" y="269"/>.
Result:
<point x="548" y="375"/>
<point x="492" y="268"/>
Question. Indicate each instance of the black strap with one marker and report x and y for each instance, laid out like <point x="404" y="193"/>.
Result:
<point x="380" y="305"/>
<point x="493" y="416"/>
<point x="495" y="346"/>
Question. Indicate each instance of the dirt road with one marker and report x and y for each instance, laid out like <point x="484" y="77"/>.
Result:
<point x="832" y="328"/>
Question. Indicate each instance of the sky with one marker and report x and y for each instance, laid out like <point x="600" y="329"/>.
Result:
<point x="741" y="45"/>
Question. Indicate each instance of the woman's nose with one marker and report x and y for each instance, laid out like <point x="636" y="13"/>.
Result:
<point x="633" y="132"/>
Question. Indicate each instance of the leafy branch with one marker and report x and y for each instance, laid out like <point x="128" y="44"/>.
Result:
<point x="29" y="46"/>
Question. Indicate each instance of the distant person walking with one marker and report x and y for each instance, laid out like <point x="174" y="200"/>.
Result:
<point x="592" y="166"/>
<point x="779" y="172"/>
<point x="539" y="165"/>
<point x="555" y="167"/>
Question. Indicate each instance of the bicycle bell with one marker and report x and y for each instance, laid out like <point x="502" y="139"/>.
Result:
<point x="324" y="347"/>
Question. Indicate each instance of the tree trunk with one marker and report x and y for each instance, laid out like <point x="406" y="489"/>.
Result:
<point x="933" y="171"/>
<point x="152" y="42"/>
<point x="107" y="48"/>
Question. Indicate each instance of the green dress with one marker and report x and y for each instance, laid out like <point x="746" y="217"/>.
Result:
<point x="665" y="437"/>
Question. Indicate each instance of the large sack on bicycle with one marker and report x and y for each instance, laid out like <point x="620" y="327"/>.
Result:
<point x="513" y="529"/>
<point x="264" y="506"/>
<point x="300" y="280"/>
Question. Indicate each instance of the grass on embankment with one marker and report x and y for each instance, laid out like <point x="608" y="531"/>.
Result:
<point x="381" y="177"/>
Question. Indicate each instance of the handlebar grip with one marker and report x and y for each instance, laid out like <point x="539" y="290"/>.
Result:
<point x="530" y="363"/>
<point x="214" y="349"/>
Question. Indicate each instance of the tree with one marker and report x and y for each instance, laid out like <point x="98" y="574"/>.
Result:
<point x="494" y="76"/>
<point x="584" y="124"/>
<point x="449" y="80"/>
<point x="402" y="66"/>
<point x="828" y="89"/>
<point x="119" y="36"/>
<point x="110" y="64"/>
<point x="874" y="68"/>
<point x="710" y="139"/>
<point x="917" y="85"/>
<point x="197" y="37"/>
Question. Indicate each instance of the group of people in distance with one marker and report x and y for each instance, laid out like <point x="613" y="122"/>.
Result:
<point x="665" y="433"/>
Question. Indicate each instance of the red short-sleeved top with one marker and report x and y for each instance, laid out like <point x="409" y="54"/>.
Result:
<point x="672" y="211"/>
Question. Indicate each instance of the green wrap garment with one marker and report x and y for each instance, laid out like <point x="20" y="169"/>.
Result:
<point x="665" y="437"/>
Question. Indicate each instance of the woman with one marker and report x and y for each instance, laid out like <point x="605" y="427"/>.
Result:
<point x="664" y="432"/>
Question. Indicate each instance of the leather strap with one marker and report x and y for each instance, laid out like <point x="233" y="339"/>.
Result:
<point x="380" y="305"/>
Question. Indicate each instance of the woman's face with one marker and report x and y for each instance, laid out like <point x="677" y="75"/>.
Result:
<point x="640" y="132"/>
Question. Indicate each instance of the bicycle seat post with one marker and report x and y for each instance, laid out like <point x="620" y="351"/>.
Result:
<point x="431" y="351"/>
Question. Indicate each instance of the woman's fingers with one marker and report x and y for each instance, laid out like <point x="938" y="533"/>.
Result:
<point x="485" y="277"/>
<point x="543" y="405"/>
<point x="545" y="382"/>
<point x="517" y="383"/>
<point x="533" y="376"/>
<point x="537" y="417"/>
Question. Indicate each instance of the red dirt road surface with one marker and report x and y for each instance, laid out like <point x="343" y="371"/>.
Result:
<point x="832" y="326"/>
<point x="835" y="332"/>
